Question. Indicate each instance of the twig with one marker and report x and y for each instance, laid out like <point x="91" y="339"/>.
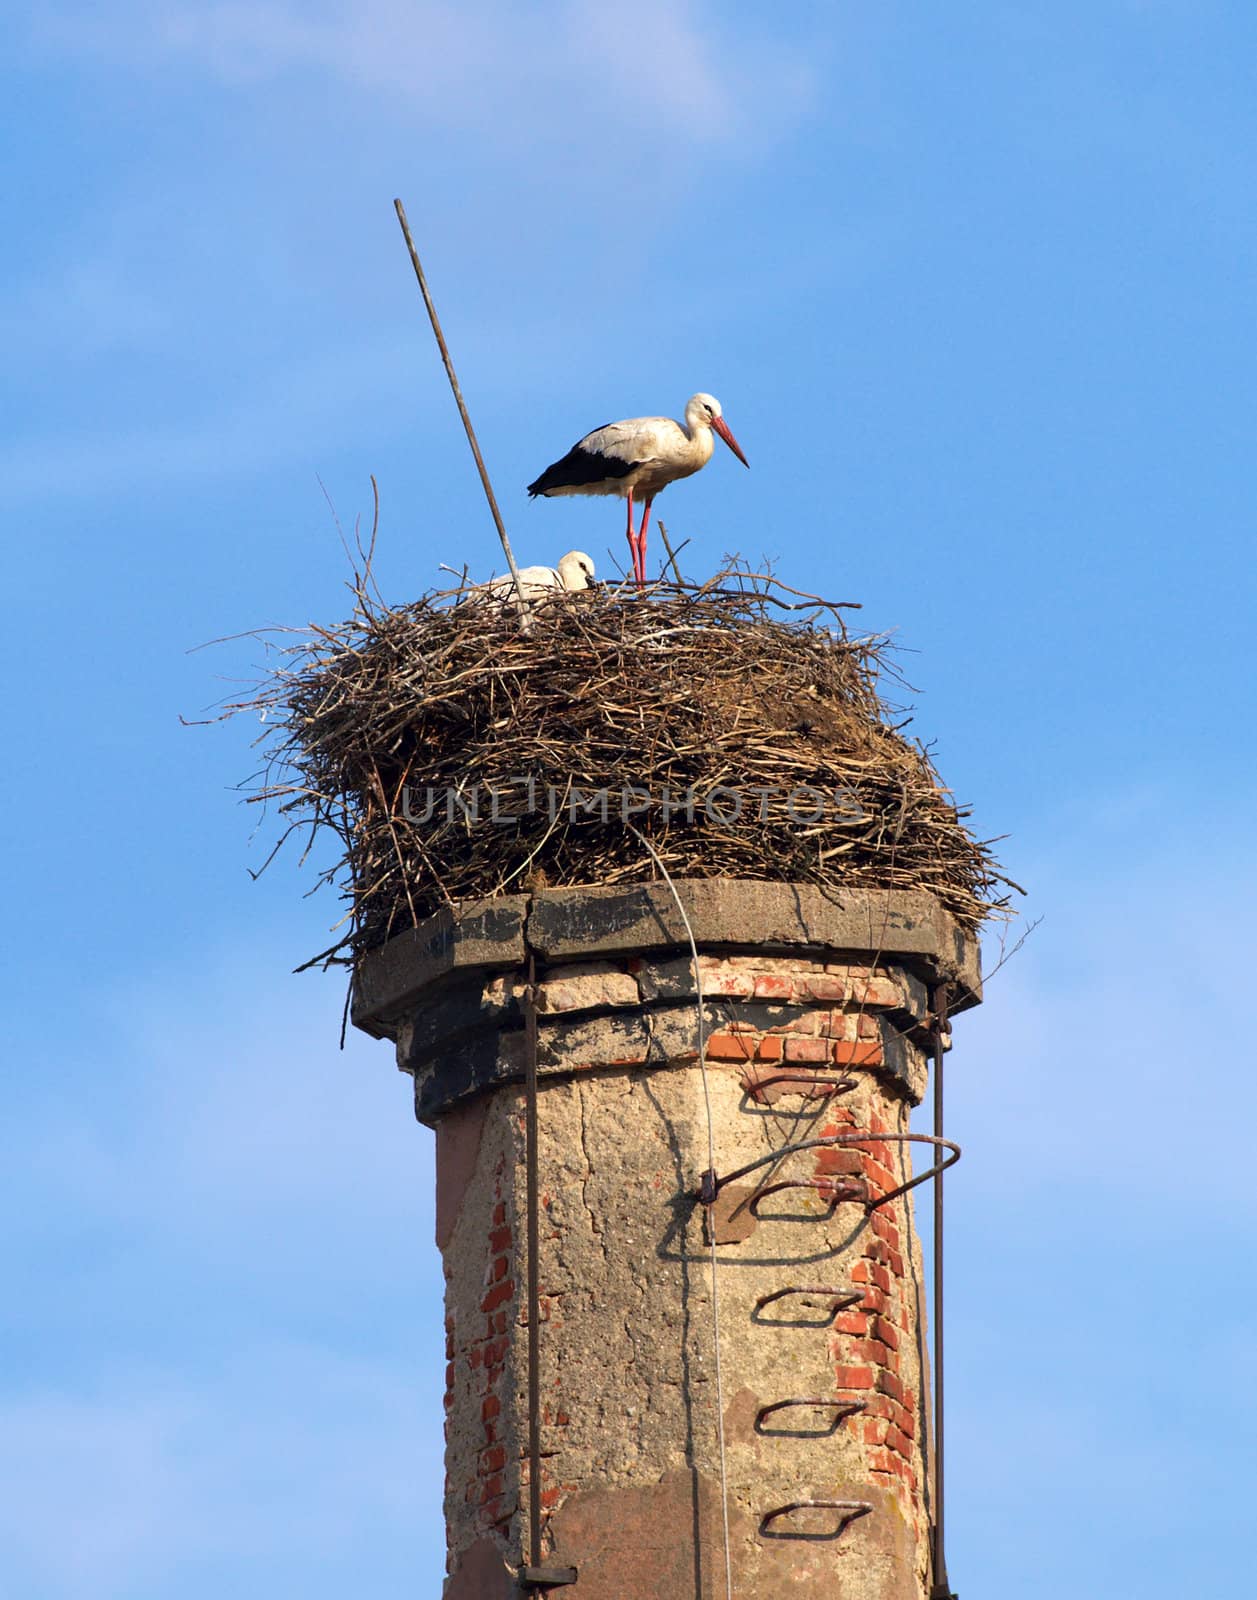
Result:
<point x="672" y="560"/>
<point x="525" y="616"/>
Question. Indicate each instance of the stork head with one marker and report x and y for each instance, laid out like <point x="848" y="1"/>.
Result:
<point x="575" y="570"/>
<point x="704" y="411"/>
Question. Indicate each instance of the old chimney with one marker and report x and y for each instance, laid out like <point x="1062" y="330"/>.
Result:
<point x="730" y="1337"/>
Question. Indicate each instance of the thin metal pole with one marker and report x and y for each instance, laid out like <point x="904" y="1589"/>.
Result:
<point x="534" y="1279"/>
<point x="941" y="1588"/>
<point x="524" y="613"/>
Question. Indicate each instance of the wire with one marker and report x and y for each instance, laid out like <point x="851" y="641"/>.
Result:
<point x="711" y="1164"/>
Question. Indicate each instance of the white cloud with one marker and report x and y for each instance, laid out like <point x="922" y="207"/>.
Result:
<point x="497" y="68"/>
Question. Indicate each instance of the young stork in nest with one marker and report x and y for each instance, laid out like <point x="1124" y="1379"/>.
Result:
<point x="574" y="571"/>
<point x="639" y="457"/>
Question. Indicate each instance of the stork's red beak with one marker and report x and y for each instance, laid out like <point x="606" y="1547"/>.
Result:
<point x="722" y="428"/>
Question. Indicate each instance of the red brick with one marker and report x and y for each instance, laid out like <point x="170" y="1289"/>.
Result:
<point x="769" y="1048"/>
<point x="897" y="1264"/>
<point x="801" y="1049"/>
<point x="550" y="1497"/>
<point x="889" y="1384"/>
<point x="838" y="1160"/>
<point x="874" y="1431"/>
<point x="880" y="1405"/>
<point x="490" y="1407"/>
<point x="874" y="1300"/>
<point x="886" y="1331"/>
<point x="499" y="1215"/>
<point x="860" y="1272"/>
<point x="730" y="1047"/>
<point x="730" y="985"/>
<point x="855" y="1322"/>
<point x="853" y="1377"/>
<point x="500" y="1269"/>
<point x="882" y="1225"/>
<point x="771" y="986"/>
<point x="898" y="1442"/>
<point x="823" y="986"/>
<point x="857" y="1053"/>
<point x="499" y="1240"/>
<point x="498" y="1295"/>
<point x="492" y="1460"/>
<point x="871" y="1350"/>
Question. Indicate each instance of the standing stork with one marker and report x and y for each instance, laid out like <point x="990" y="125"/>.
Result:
<point x="639" y="457"/>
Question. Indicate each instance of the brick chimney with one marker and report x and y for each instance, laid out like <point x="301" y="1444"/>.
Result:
<point x="817" y="1016"/>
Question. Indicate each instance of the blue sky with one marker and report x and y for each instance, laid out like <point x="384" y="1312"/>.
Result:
<point x="974" y="285"/>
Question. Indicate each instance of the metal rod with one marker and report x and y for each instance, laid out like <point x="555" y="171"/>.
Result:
<point x="849" y="1510"/>
<point x="806" y="1082"/>
<point x="941" y="1588"/>
<point x="842" y="1297"/>
<point x="534" y="1279"/>
<point x="712" y="1182"/>
<point x="842" y="1408"/>
<point x="832" y="1190"/>
<point x="524" y="613"/>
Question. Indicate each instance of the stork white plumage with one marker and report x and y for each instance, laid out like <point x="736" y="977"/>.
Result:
<point x="574" y="571"/>
<point x="640" y="457"/>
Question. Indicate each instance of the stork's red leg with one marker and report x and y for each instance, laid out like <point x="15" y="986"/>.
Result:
<point x="641" y="544"/>
<point x="632" y="536"/>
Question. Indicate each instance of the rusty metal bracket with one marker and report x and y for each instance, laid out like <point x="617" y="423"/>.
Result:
<point x="848" y="1511"/>
<point x="711" y="1182"/>
<point x="923" y="1177"/>
<point x="832" y="1190"/>
<point x="843" y="1298"/>
<point x="546" y="1577"/>
<point x="842" y="1409"/>
<point x="805" y="1082"/>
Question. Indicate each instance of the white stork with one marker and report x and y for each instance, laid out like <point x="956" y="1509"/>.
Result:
<point x="574" y="571"/>
<point x="641" y="456"/>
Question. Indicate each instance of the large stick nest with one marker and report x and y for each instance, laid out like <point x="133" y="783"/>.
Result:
<point x="393" y="730"/>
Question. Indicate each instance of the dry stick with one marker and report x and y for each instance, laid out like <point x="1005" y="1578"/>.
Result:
<point x="672" y="560"/>
<point x="525" y="616"/>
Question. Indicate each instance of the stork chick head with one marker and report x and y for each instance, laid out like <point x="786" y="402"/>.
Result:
<point x="575" y="570"/>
